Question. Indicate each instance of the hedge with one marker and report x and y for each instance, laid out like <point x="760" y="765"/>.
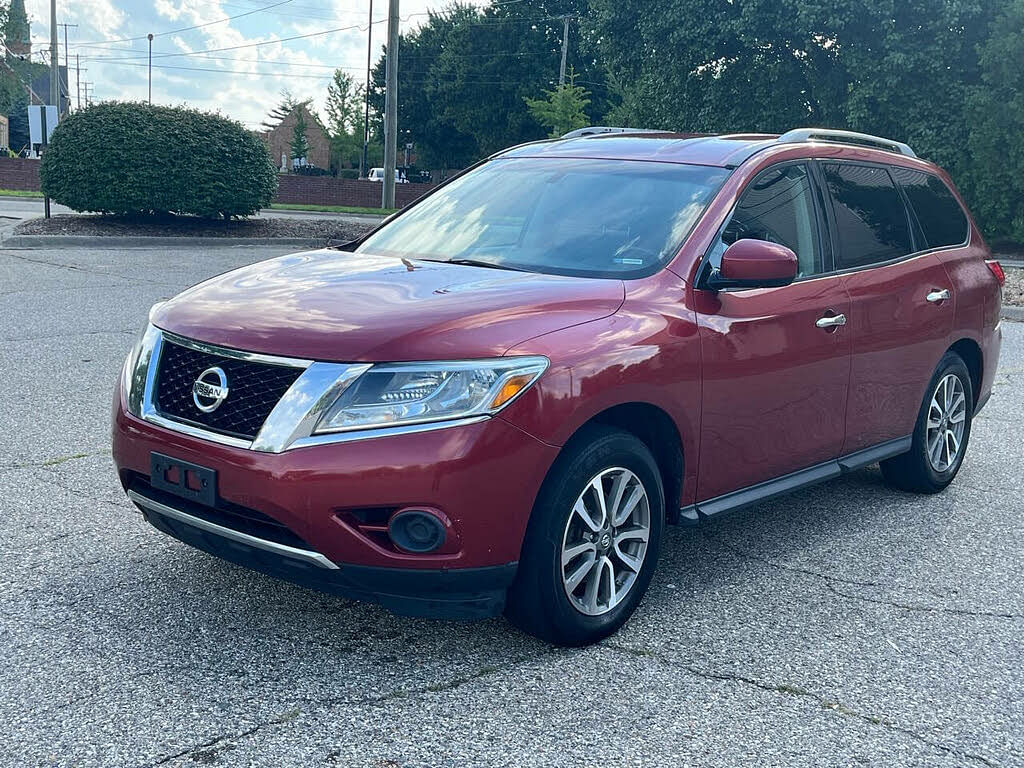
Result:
<point x="131" y="158"/>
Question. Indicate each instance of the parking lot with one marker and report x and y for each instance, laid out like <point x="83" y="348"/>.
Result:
<point x="845" y="625"/>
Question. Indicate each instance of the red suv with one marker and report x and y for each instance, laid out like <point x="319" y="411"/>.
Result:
<point x="497" y="399"/>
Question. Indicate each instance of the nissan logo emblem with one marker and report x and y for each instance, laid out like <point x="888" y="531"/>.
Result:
<point x="210" y="390"/>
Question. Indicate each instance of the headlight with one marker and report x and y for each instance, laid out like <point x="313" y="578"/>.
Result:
<point x="136" y="367"/>
<point x="394" y="394"/>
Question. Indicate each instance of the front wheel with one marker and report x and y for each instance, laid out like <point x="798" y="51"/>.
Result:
<point x="593" y="540"/>
<point x="941" y="433"/>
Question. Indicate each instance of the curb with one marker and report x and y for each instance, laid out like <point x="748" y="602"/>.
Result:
<point x="109" y="241"/>
<point x="1015" y="314"/>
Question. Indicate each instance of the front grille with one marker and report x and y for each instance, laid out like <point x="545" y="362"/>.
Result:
<point x="253" y="390"/>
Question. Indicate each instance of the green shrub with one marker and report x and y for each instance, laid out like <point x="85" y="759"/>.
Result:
<point x="129" y="158"/>
<point x="348" y="173"/>
<point x="310" y="170"/>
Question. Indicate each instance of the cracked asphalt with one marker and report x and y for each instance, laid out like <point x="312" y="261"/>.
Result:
<point x="846" y="625"/>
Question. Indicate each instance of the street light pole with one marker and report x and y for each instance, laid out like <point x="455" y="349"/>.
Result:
<point x="391" y="109"/>
<point x="363" y="169"/>
<point x="54" y="59"/>
<point x="67" y="65"/>
<point x="565" y="49"/>
<point x="150" y="38"/>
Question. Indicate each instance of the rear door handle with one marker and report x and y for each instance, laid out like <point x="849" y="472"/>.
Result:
<point x="831" y="321"/>
<point x="936" y="296"/>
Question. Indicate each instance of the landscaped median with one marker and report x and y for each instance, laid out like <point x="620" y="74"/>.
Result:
<point x="1013" y="293"/>
<point x="141" y="231"/>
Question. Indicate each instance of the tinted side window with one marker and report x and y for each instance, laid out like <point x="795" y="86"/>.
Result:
<point x="941" y="218"/>
<point x="871" y="219"/>
<point x="777" y="206"/>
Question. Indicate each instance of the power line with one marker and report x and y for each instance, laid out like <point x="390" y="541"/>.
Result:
<point x="225" y="71"/>
<point x="349" y="28"/>
<point x="142" y="57"/>
<point x="185" y="29"/>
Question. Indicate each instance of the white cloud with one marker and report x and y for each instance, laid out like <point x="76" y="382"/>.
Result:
<point x="245" y="82"/>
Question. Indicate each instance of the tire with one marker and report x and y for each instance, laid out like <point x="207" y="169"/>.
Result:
<point x="539" y="601"/>
<point x="916" y="470"/>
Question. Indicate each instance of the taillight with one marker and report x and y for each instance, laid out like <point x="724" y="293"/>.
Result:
<point x="997" y="270"/>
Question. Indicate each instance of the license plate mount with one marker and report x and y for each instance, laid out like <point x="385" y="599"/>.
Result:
<point x="183" y="478"/>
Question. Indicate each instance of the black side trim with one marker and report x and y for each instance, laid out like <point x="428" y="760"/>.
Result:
<point x="875" y="453"/>
<point x="769" y="489"/>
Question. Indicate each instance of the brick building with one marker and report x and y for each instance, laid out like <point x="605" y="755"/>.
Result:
<point x="279" y="140"/>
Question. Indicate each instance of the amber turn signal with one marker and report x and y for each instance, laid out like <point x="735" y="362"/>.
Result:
<point x="511" y="388"/>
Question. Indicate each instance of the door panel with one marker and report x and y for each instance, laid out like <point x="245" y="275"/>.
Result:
<point x="898" y="335"/>
<point x="898" y="338"/>
<point x="775" y="384"/>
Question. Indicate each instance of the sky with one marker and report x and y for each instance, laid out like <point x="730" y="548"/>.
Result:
<point x="190" y="66"/>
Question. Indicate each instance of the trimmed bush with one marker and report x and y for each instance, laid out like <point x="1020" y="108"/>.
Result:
<point x="310" y="170"/>
<point x="131" y="158"/>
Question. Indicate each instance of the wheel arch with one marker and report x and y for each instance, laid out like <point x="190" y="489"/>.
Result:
<point x="970" y="352"/>
<point x="656" y="429"/>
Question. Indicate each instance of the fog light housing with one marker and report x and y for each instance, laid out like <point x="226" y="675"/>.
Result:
<point x="416" y="531"/>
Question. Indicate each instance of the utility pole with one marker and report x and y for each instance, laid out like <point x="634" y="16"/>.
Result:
<point x="363" y="169"/>
<point x="88" y="101"/>
<point x="54" y="59"/>
<point x="391" y="109"/>
<point x="150" y="38"/>
<point x="67" y="64"/>
<point x="565" y="49"/>
<point x="78" y="81"/>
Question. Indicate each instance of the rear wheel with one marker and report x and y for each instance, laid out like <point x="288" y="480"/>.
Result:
<point x="593" y="540"/>
<point x="941" y="434"/>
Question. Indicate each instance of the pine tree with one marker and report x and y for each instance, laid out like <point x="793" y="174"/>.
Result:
<point x="299" y="146"/>
<point x="284" y="108"/>
<point x="563" y="109"/>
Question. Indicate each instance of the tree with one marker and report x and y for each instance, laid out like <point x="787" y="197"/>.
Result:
<point x="344" y="107"/>
<point x="345" y="119"/>
<point x="284" y="108"/>
<point x="899" y="69"/>
<point x="466" y="72"/>
<point x="299" y="146"/>
<point x="996" y="177"/>
<point x="563" y="109"/>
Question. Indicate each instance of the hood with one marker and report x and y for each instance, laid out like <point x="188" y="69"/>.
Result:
<point x="336" y="306"/>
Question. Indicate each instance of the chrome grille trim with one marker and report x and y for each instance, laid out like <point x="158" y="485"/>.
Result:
<point x="290" y="424"/>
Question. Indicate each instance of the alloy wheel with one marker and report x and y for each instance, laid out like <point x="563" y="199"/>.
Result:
<point x="605" y="541"/>
<point x="947" y="415"/>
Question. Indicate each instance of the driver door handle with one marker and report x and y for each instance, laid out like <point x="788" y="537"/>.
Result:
<point x="936" y="296"/>
<point x="831" y="321"/>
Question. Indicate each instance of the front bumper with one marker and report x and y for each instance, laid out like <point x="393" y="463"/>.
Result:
<point x="463" y="593"/>
<point x="483" y="477"/>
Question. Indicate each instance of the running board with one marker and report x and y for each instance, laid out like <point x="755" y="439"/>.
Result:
<point x="770" y="489"/>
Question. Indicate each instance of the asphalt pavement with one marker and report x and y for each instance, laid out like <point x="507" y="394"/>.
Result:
<point x="845" y="625"/>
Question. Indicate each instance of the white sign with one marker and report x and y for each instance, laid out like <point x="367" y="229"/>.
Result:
<point x="35" y="122"/>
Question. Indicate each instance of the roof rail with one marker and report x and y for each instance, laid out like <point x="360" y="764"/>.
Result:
<point x="799" y="135"/>
<point x="595" y="130"/>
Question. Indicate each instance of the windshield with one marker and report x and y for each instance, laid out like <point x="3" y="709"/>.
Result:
<point x="593" y="218"/>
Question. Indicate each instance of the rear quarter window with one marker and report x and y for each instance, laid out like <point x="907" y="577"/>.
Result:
<point x="943" y="222"/>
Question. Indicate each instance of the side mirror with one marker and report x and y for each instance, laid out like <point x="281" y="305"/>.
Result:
<point x="754" y="264"/>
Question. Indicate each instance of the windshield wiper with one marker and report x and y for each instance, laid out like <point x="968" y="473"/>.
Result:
<point x="481" y="263"/>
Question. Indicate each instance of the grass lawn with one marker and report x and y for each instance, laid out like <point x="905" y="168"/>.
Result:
<point x="333" y="208"/>
<point x="19" y="193"/>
